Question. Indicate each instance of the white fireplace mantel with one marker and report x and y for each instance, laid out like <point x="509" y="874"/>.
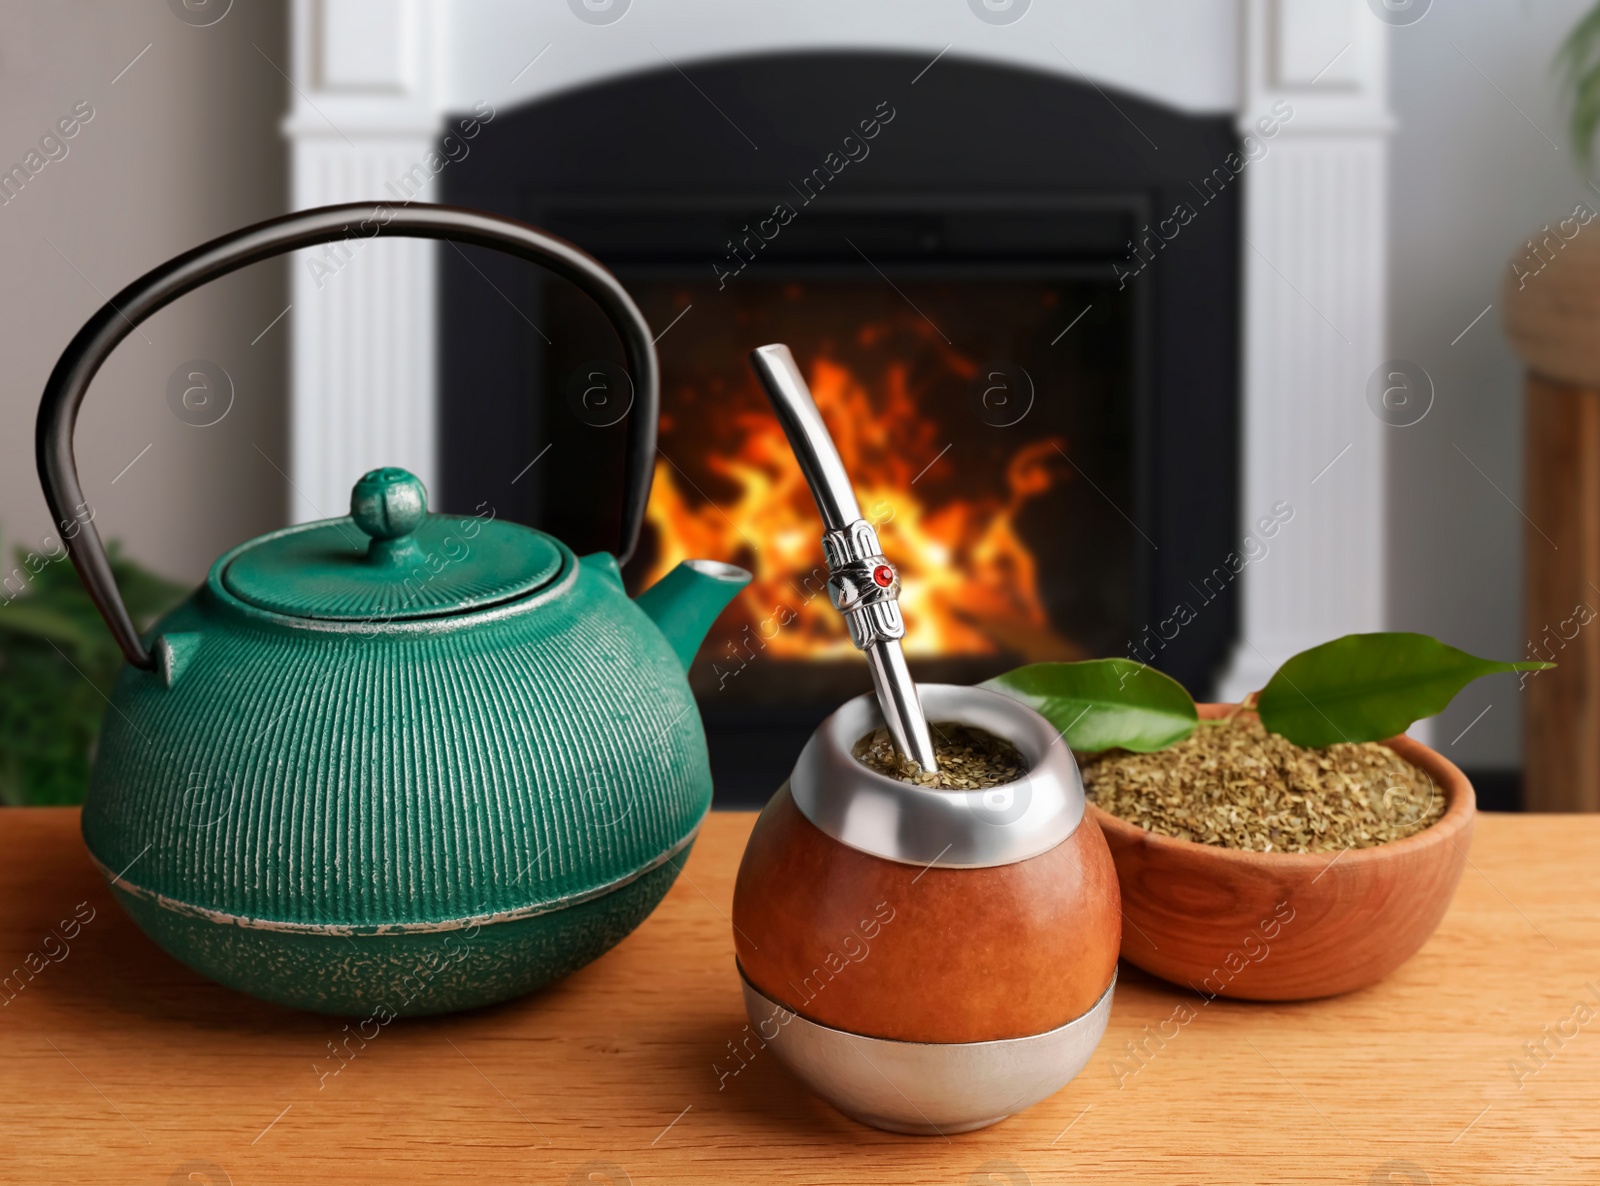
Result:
<point x="375" y="80"/>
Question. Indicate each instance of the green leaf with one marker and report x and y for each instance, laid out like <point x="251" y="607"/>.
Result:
<point x="1578" y="62"/>
<point x="1104" y="703"/>
<point x="1366" y="687"/>
<point x="58" y="662"/>
<point x="29" y="616"/>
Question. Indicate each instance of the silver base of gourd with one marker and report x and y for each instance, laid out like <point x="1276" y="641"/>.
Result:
<point x="927" y="1088"/>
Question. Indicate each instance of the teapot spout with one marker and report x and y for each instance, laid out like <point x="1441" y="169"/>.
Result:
<point x="685" y="602"/>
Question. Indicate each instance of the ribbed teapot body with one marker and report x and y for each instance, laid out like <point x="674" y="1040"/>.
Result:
<point x="286" y="794"/>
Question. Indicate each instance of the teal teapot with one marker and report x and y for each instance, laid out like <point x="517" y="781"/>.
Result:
<point x="399" y="762"/>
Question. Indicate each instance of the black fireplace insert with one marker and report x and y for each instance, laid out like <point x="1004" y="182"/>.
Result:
<point x="1014" y="295"/>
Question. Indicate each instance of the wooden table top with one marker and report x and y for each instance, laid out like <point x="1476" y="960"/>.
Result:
<point x="119" y="1065"/>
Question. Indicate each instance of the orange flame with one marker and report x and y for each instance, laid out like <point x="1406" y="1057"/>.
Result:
<point x="969" y="583"/>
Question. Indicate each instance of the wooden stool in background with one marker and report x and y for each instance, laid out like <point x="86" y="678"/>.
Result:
<point x="1561" y="597"/>
<point x="1553" y="319"/>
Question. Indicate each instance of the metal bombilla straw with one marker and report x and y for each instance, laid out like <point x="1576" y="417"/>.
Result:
<point x="864" y="586"/>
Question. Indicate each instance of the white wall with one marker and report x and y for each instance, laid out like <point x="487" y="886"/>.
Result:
<point x="1472" y="175"/>
<point x="182" y="147"/>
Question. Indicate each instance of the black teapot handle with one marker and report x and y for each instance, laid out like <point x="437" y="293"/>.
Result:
<point x="63" y="394"/>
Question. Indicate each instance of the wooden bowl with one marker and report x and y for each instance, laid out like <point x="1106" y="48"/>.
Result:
<point x="1269" y="926"/>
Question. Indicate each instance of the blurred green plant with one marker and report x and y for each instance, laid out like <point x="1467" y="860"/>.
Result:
<point x="57" y="665"/>
<point x="1578" y="61"/>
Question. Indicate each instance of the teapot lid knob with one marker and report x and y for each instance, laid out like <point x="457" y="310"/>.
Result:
<point x="321" y="570"/>
<point x="389" y="503"/>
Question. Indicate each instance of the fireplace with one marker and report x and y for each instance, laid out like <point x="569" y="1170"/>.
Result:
<point x="960" y="456"/>
<point x="1038" y="403"/>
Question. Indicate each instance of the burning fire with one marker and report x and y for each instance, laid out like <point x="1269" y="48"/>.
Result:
<point x="970" y="585"/>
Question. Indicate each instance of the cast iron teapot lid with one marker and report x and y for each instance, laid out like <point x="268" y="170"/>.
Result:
<point x="391" y="560"/>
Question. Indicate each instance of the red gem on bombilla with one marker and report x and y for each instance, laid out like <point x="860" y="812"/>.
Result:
<point x="883" y="575"/>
